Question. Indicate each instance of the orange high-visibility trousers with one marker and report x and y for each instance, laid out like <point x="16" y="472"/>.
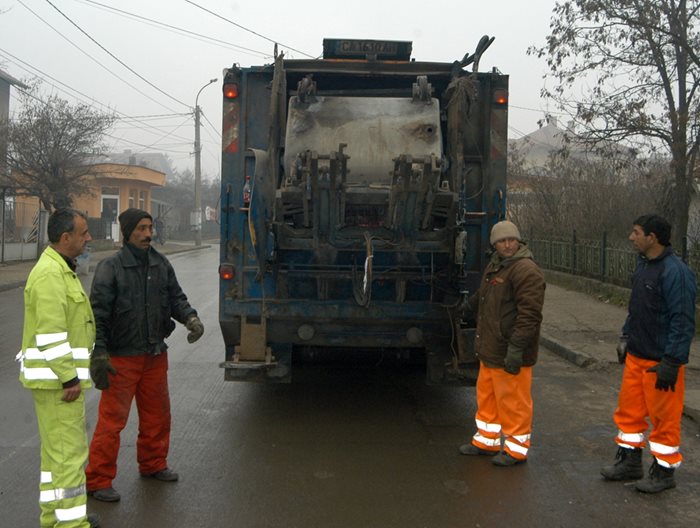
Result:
<point x="504" y="407"/>
<point x="640" y="399"/>
<point x="145" y="378"/>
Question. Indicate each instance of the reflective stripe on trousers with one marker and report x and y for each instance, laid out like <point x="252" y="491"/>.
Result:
<point x="640" y="399"/>
<point x="62" y="497"/>
<point x="504" y="407"/>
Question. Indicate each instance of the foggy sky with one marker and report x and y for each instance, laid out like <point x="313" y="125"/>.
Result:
<point x="177" y="64"/>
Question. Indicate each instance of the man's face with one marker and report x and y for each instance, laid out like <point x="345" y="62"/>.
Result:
<point x="77" y="239"/>
<point x="507" y="247"/>
<point x="641" y="241"/>
<point x="142" y="234"/>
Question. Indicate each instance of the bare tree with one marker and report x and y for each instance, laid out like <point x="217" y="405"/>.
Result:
<point x="636" y="67"/>
<point x="51" y="146"/>
<point x="592" y="195"/>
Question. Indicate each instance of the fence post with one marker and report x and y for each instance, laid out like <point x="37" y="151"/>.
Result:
<point x="684" y="249"/>
<point x="603" y="255"/>
<point x="573" y="253"/>
<point x="2" y="229"/>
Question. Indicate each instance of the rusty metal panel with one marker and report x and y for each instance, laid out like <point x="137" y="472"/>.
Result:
<point x="376" y="130"/>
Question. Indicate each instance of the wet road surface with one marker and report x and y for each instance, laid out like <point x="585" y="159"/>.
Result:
<point x="360" y="446"/>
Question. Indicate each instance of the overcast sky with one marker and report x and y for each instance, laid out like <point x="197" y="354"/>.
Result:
<point x="170" y="64"/>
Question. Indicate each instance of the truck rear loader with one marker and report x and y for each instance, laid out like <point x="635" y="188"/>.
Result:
<point x="358" y="192"/>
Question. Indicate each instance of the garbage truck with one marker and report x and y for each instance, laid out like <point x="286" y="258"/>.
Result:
<point x="358" y="190"/>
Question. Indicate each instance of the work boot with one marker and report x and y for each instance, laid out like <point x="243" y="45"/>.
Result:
<point x="628" y="465"/>
<point x="105" y="495"/>
<point x="165" y="475"/>
<point x="93" y="520"/>
<point x="472" y="450"/>
<point x="506" y="459"/>
<point x="658" y="479"/>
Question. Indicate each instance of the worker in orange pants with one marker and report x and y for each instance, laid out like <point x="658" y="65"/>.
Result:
<point x="508" y="306"/>
<point x="145" y="378"/>
<point x="654" y="347"/>
<point x="504" y="409"/>
<point x="638" y="399"/>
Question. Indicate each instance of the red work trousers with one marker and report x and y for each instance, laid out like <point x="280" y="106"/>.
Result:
<point x="640" y="399"/>
<point x="504" y="407"/>
<point x="144" y="377"/>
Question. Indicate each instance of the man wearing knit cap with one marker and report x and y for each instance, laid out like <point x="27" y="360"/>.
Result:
<point x="135" y="296"/>
<point x="508" y="305"/>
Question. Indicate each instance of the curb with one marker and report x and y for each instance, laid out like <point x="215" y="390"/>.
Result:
<point x="560" y="349"/>
<point x="18" y="284"/>
<point x="11" y="285"/>
<point x="584" y="360"/>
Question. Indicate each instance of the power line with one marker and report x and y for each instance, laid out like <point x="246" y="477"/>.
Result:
<point x="92" y="58"/>
<point x="210" y="124"/>
<point x="115" y="57"/>
<point x="245" y="28"/>
<point x="184" y="31"/>
<point x="90" y="100"/>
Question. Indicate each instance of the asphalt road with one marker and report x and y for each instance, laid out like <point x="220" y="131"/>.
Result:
<point x="364" y="446"/>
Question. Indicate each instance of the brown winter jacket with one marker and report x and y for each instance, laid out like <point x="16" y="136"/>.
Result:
<point x="509" y="308"/>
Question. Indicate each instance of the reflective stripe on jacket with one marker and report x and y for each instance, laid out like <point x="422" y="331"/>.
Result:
<point x="59" y="328"/>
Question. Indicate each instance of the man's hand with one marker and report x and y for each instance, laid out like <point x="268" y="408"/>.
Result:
<point x="513" y="360"/>
<point x="196" y="328"/>
<point x="100" y="368"/>
<point x="666" y="375"/>
<point x="71" y="393"/>
<point x="621" y="350"/>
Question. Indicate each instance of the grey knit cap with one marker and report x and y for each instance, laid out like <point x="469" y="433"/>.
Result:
<point x="504" y="229"/>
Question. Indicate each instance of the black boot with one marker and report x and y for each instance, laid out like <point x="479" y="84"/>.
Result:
<point x="627" y="466"/>
<point x="658" y="479"/>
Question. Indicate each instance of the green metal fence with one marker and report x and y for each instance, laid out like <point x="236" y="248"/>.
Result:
<point x="597" y="259"/>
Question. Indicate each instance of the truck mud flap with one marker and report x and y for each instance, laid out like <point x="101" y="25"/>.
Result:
<point x="255" y="360"/>
<point x="277" y="370"/>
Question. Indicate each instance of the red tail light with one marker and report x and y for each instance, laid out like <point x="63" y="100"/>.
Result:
<point x="230" y="90"/>
<point x="500" y="97"/>
<point x="226" y="271"/>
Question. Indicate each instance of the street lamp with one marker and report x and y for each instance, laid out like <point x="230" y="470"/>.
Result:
<point x="197" y="220"/>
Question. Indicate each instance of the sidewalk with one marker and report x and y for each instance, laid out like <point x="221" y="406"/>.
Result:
<point x="585" y="331"/>
<point x="576" y="326"/>
<point x="14" y="274"/>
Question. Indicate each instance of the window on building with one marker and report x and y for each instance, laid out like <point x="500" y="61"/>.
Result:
<point x="142" y="200"/>
<point x="132" y="198"/>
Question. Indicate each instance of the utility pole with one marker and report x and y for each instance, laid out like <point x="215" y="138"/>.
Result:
<point x="197" y="213"/>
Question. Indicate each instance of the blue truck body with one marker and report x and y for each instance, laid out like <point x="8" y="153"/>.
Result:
<point x="358" y="191"/>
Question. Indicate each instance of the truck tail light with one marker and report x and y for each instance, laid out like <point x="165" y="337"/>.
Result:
<point x="226" y="271"/>
<point x="500" y="97"/>
<point x="231" y="90"/>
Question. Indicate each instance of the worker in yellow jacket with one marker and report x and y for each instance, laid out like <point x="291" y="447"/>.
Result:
<point x="59" y="334"/>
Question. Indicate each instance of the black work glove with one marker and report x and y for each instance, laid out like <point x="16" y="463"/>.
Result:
<point x="514" y="359"/>
<point x="196" y="328"/>
<point x="100" y="367"/>
<point x="666" y="375"/>
<point x="621" y="350"/>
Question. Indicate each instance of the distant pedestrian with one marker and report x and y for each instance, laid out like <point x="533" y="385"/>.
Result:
<point x="654" y="348"/>
<point x="509" y="314"/>
<point x="135" y="296"/>
<point x="59" y="333"/>
<point x="159" y="226"/>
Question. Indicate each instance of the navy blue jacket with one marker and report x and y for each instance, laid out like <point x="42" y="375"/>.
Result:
<point x="661" y="319"/>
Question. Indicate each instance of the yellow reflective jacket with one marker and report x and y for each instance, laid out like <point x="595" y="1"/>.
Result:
<point x="59" y="328"/>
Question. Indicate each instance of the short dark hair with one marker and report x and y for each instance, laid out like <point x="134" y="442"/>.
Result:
<point x="62" y="221"/>
<point x="656" y="224"/>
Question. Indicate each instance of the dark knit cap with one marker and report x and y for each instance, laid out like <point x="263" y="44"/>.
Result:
<point x="129" y="219"/>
